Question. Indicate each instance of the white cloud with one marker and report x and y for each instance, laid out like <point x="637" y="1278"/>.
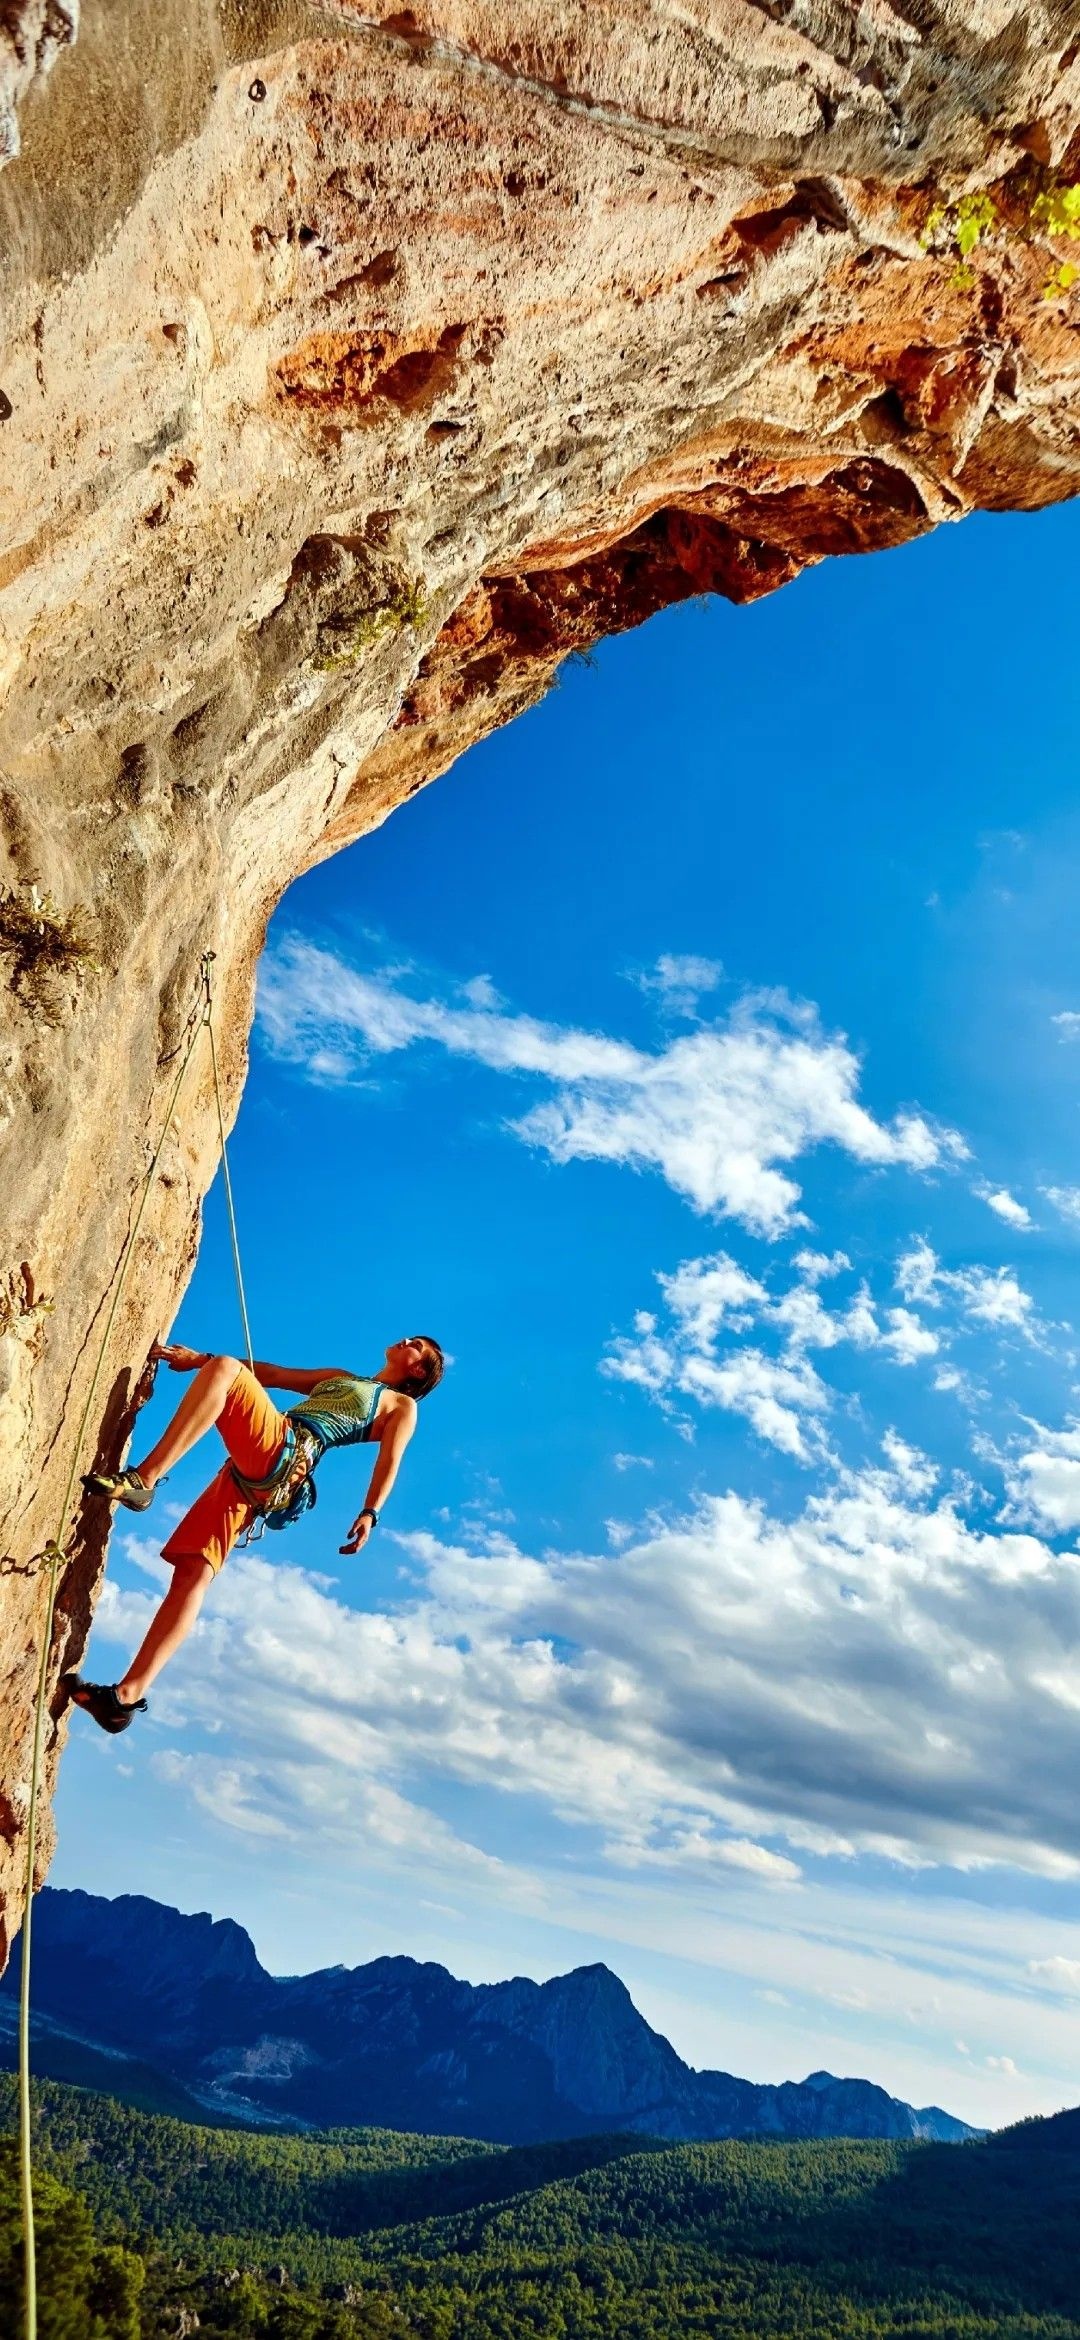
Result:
<point x="679" y="981"/>
<point x="806" y="1322"/>
<point x="713" y="1303"/>
<point x="713" y="1300"/>
<point x="719" y="1112"/>
<point x="815" y="1266"/>
<point x="1068" y="1024"/>
<point x="999" y="1200"/>
<point x="1063" y="1974"/>
<point x="643" y="1359"/>
<point x="698" y="1847"/>
<point x="985" y="1296"/>
<point x="908" y="1338"/>
<point x="631" y="1462"/>
<point x="1065" y="1200"/>
<point x="228" y="1791"/>
<point x="918" y="1273"/>
<point x="1044" y="1481"/>
<point x="860" y="1322"/>
<point x="914" y="1472"/>
<point x="704" y="1294"/>
<point x="993" y="1296"/>
<point x="776" y="1396"/>
<point x="481" y="993"/>
<point x="1003" y="2064"/>
<point x="731" y="1690"/>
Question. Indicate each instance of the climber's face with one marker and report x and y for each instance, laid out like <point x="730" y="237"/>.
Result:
<point x="413" y="1365"/>
<point x="406" y="1358"/>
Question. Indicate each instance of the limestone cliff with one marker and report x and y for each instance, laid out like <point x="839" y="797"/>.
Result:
<point x="360" y="362"/>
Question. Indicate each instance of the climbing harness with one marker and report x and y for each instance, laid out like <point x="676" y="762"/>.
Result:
<point x="288" y="1490"/>
<point x="201" y="1017"/>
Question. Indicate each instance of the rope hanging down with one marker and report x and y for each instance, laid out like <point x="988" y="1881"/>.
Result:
<point x="208" y="1020"/>
<point x="202" y="1016"/>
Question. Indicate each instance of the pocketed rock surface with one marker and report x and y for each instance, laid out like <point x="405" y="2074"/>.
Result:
<point x="358" y="364"/>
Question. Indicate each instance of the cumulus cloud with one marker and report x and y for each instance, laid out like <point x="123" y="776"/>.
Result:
<point x="775" y="1395"/>
<point x="711" y="1302"/>
<point x="815" y="1267"/>
<point x="985" y="1296"/>
<point x="994" y="1296"/>
<point x="740" y="1341"/>
<point x="1044" y="1480"/>
<point x="913" y="1471"/>
<point x="730" y="1690"/>
<point x="1068" y="1024"/>
<point x="720" y="1112"/>
<point x="1065" y="1200"/>
<point x="918" y="1274"/>
<point x="907" y="1338"/>
<point x="642" y="1357"/>
<point x="705" y="1294"/>
<point x="1005" y="1206"/>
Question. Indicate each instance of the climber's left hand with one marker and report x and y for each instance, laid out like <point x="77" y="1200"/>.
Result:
<point x="358" y="1533"/>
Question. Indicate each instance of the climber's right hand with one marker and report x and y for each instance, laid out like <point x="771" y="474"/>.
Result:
<point x="178" y="1358"/>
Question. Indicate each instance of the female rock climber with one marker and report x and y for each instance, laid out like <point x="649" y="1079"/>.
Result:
<point x="272" y="1458"/>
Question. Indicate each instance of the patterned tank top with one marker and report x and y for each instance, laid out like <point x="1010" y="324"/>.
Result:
<point x="340" y="1410"/>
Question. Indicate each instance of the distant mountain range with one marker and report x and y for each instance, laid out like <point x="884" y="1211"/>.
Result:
<point x="395" y="2044"/>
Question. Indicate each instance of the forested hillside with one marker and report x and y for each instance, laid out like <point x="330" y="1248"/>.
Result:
<point x="371" y="2235"/>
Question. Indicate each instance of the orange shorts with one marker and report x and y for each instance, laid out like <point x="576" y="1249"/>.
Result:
<point x="254" y="1433"/>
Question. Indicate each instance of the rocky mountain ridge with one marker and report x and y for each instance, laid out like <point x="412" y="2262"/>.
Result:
<point x="400" y="2044"/>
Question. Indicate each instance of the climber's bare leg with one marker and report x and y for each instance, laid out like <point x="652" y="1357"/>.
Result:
<point x="197" y="1412"/>
<point x="168" y="1627"/>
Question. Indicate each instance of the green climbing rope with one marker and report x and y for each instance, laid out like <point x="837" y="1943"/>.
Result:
<point x="227" y="1181"/>
<point x="201" y="1017"/>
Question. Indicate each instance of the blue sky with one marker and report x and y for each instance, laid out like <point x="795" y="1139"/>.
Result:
<point x="698" y="1061"/>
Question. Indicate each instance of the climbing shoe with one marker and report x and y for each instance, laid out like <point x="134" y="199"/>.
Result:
<point x="120" y="1487"/>
<point x="101" y="1699"/>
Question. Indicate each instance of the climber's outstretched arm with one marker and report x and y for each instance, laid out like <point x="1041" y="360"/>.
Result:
<point x="299" y="1377"/>
<point x="393" y="1440"/>
<point x="302" y="1378"/>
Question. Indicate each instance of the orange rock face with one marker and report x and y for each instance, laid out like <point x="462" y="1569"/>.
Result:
<point x="358" y="364"/>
